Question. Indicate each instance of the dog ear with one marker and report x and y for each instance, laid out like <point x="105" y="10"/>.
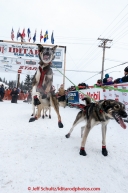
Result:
<point x="54" y="48"/>
<point x="40" y="47"/>
<point x="106" y="103"/>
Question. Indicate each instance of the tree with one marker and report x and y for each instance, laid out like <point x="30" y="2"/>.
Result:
<point x="32" y="78"/>
<point x="0" y="79"/>
<point x="28" y="82"/>
<point x="12" y="84"/>
<point x="3" y="80"/>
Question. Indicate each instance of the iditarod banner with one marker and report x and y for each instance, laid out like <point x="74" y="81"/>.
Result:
<point x="24" y="58"/>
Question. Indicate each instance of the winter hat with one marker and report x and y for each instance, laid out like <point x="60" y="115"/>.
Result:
<point x="106" y="75"/>
<point x="126" y="69"/>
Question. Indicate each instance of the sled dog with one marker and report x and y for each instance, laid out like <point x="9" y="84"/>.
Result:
<point x="98" y="113"/>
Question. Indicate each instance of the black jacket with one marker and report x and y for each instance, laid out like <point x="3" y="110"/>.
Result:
<point x="121" y="80"/>
<point x="1" y="90"/>
<point x="14" y="93"/>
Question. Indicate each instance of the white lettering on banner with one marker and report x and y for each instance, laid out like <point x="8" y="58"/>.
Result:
<point x="72" y="94"/>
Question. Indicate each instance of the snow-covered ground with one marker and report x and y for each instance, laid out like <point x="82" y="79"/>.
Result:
<point x="37" y="154"/>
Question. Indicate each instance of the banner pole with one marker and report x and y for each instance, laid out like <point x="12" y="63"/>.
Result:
<point x="18" y="80"/>
<point x="64" y="66"/>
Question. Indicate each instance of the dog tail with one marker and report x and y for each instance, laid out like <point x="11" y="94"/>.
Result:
<point x="87" y="99"/>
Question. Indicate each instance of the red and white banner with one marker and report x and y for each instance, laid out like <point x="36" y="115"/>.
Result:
<point x="99" y="94"/>
<point x="94" y="93"/>
<point x="25" y="57"/>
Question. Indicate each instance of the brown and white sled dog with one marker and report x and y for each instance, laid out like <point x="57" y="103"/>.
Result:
<point x="45" y="105"/>
<point x="99" y="113"/>
<point x="43" y="81"/>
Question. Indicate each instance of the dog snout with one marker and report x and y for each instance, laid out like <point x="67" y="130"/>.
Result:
<point x="47" y="49"/>
<point x="123" y="114"/>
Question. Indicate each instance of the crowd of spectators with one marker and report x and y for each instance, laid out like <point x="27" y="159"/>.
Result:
<point x="109" y="80"/>
<point x="14" y="94"/>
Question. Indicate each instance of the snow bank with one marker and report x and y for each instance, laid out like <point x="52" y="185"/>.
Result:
<point x="38" y="154"/>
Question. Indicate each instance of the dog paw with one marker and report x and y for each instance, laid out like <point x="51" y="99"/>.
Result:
<point x="32" y="119"/>
<point x="49" y="116"/>
<point x="104" y="151"/>
<point x="82" y="152"/>
<point x="42" y="116"/>
<point x="60" y="124"/>
<point x="68" y="135"/>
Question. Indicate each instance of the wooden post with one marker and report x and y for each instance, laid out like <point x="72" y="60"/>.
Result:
<point x="18" y="80"/>
<point x="103" y="45"/>
<point x="64" y="66"/>
<point x="102" y="72"/>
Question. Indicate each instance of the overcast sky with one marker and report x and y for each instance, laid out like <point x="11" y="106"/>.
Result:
<point x="77" y="24"/>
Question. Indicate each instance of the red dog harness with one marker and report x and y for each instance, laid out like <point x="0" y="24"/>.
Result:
<point x="43" y="72"/>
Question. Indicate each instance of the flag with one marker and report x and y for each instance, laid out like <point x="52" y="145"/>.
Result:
<point x="12" y="34"/>
<point x="52" y="38"/>
<point x="41" y="35"/>
<point x="23" y="34"/>
<point x="29" y="35"/>
<point x="34" y="37"/>
<point x="22" y="39"/>
<point x="45" y="36"/>
<point x="18" y="34"/>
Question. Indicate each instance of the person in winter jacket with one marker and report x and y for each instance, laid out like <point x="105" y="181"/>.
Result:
<point x="14" y="95"/>
<point x="124" y="78"/>
<point x="2" y="92"/>
<point x="99" y="82"/>
<point x="105" y="79"/>
<point x="61" y="93"/>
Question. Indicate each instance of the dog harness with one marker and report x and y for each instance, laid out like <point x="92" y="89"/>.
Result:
<point x="43" y="72"/>
<point x="89" y="108"/>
